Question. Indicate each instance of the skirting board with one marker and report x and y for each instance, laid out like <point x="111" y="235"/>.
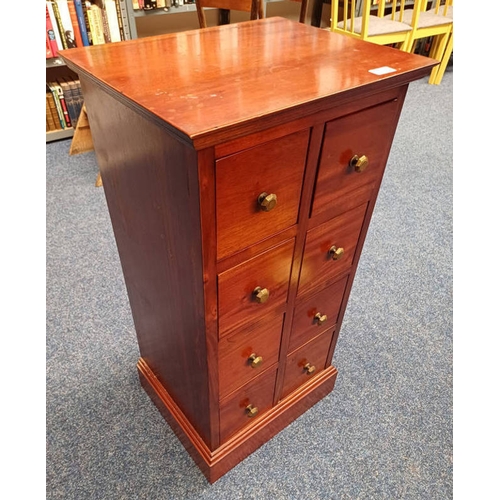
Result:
<point x="214" y="464"/>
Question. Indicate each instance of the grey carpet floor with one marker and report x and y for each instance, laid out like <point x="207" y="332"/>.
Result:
<point x="385" y="432"/>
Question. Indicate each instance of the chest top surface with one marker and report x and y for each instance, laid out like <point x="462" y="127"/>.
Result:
<point x="202" y="81"/>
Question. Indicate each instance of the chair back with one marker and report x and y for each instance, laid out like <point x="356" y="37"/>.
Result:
<point x="440" y="7"/>
<point x="254" y="7"/>
<point x="368" y="20"/>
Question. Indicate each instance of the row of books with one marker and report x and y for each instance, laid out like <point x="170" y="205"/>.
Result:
<point x="80" y="23"/>
<point x="159" y="4"/>
<point x="64" y="102"/>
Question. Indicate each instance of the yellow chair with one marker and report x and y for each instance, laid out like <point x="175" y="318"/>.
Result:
<point x="438" y="72"/>
<point x="427" y="23"/>
<point x="366" y="20"/>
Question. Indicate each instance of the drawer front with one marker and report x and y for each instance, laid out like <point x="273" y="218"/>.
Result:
<point x="246" y="405"/>
<point x="330" y="248"/>
<point x="254" y="288"/>
<point x="367" y="135"/>
<point x="306" y="362"/>
<point x="248" y="352"/>
<point x="275" y="168"/>
<point x="316" y="313"/>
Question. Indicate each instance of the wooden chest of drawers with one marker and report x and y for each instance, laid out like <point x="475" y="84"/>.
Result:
<point x="241" y="165"/>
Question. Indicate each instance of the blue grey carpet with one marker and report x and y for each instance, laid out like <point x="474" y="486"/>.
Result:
<point x="385" y="432"/>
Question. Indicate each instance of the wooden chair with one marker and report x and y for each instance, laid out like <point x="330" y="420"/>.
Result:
<point x="363" y="20"/>
<point x="426" y="22"/>
<point x="438" y="72"/>
<point x="254" y="7"/>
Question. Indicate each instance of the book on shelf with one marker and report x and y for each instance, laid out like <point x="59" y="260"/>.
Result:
<point x="59" y="24"/>
<point x="110" y="7"/>
<point x="149" y="5"/>
<point x="48" y="48"/>
<point x="52" y="116"/>
<point x="83" y="22"/>
<point x="51" y="20"/>
<point x="94" y="15"/>
<point x="74" y="22"/>
<point x="68" y="97"/>
<point x="76" y="91"/>
<point x="56" y="104"/>
<point x="51" y="36"/>
<point x="61" y="105"/>
<point x="125" y="23"/>
<point x="68" y="29"/>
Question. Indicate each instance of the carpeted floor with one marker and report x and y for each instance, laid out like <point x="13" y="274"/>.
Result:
<point x="385" y="432"/>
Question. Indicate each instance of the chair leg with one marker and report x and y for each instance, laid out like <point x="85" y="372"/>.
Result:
<point x="438" y="48"/>
<point x="438" y="72"/>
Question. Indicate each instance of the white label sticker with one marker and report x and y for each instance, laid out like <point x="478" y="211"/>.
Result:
<point x="382" y="71"/>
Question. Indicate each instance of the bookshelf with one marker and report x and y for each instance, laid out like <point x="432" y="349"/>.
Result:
<point x="135" y="23"/>
<point x="75" y="23"/>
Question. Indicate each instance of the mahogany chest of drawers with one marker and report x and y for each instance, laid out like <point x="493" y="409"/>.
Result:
<point x="240" y="165"/>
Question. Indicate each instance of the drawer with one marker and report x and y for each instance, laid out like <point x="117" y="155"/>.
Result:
<point x="316" y="313"/>
<point x="246" y="405"/>
<point x="248" y="352"/>
<point x="251" y="290"/>
<point x="306" y="362"/>
<point x="275" y="168"/>
<point x="367" y="135"/>
<point x="330" y="248"/>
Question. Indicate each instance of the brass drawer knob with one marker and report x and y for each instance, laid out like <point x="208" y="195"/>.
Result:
<point x="251" y="410"/>
<point x="359" y="163"/>
<point x="320" y="318"/>
<point x="267" y="201"/>
<point x="261" y="294"/>
<point x="336" y="253"/>
<point x="309" y="369"/>
<point x="255" y="360"/>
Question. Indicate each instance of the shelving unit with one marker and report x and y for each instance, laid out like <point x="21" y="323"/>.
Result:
<point x="160" y="21"/>
<point x="56" y="67"/>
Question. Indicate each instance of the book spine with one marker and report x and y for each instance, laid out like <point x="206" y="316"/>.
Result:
<point x="50" y="34"/>
<point x="68" y="97"/>
<point x="112" y="15"/>
<point x="119" y="19"/>
<point x="55" y="29"/>
<point x="57" y="103"/>
<point x="105" y="22"/>
<point x="59" y="23"/>
<point x="79" y="99"/>
<point x="75" y="98"/>
<point x="123" y="11"/>
<point x="56" y="120"/>
<point x="49" y="116"/>
<point x="74" y="22"/>
<point x="80" y="16"/>
<point x="64" y="106"/>
<point x="68" y="32"/>
<point x="48" y="48"/>
<point x="95" y="22"/>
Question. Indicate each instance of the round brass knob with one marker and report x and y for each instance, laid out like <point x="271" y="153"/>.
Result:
<point x="251" y="410"/>
<point x="336" y="253"/>
<point x="255" y="360"/>
<point x="267" y="201"/>
<point x="359" y="163"/>
<point x="261" y="294"/>
<point x="309" y="369"/>
<point x="320" y="318"/>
